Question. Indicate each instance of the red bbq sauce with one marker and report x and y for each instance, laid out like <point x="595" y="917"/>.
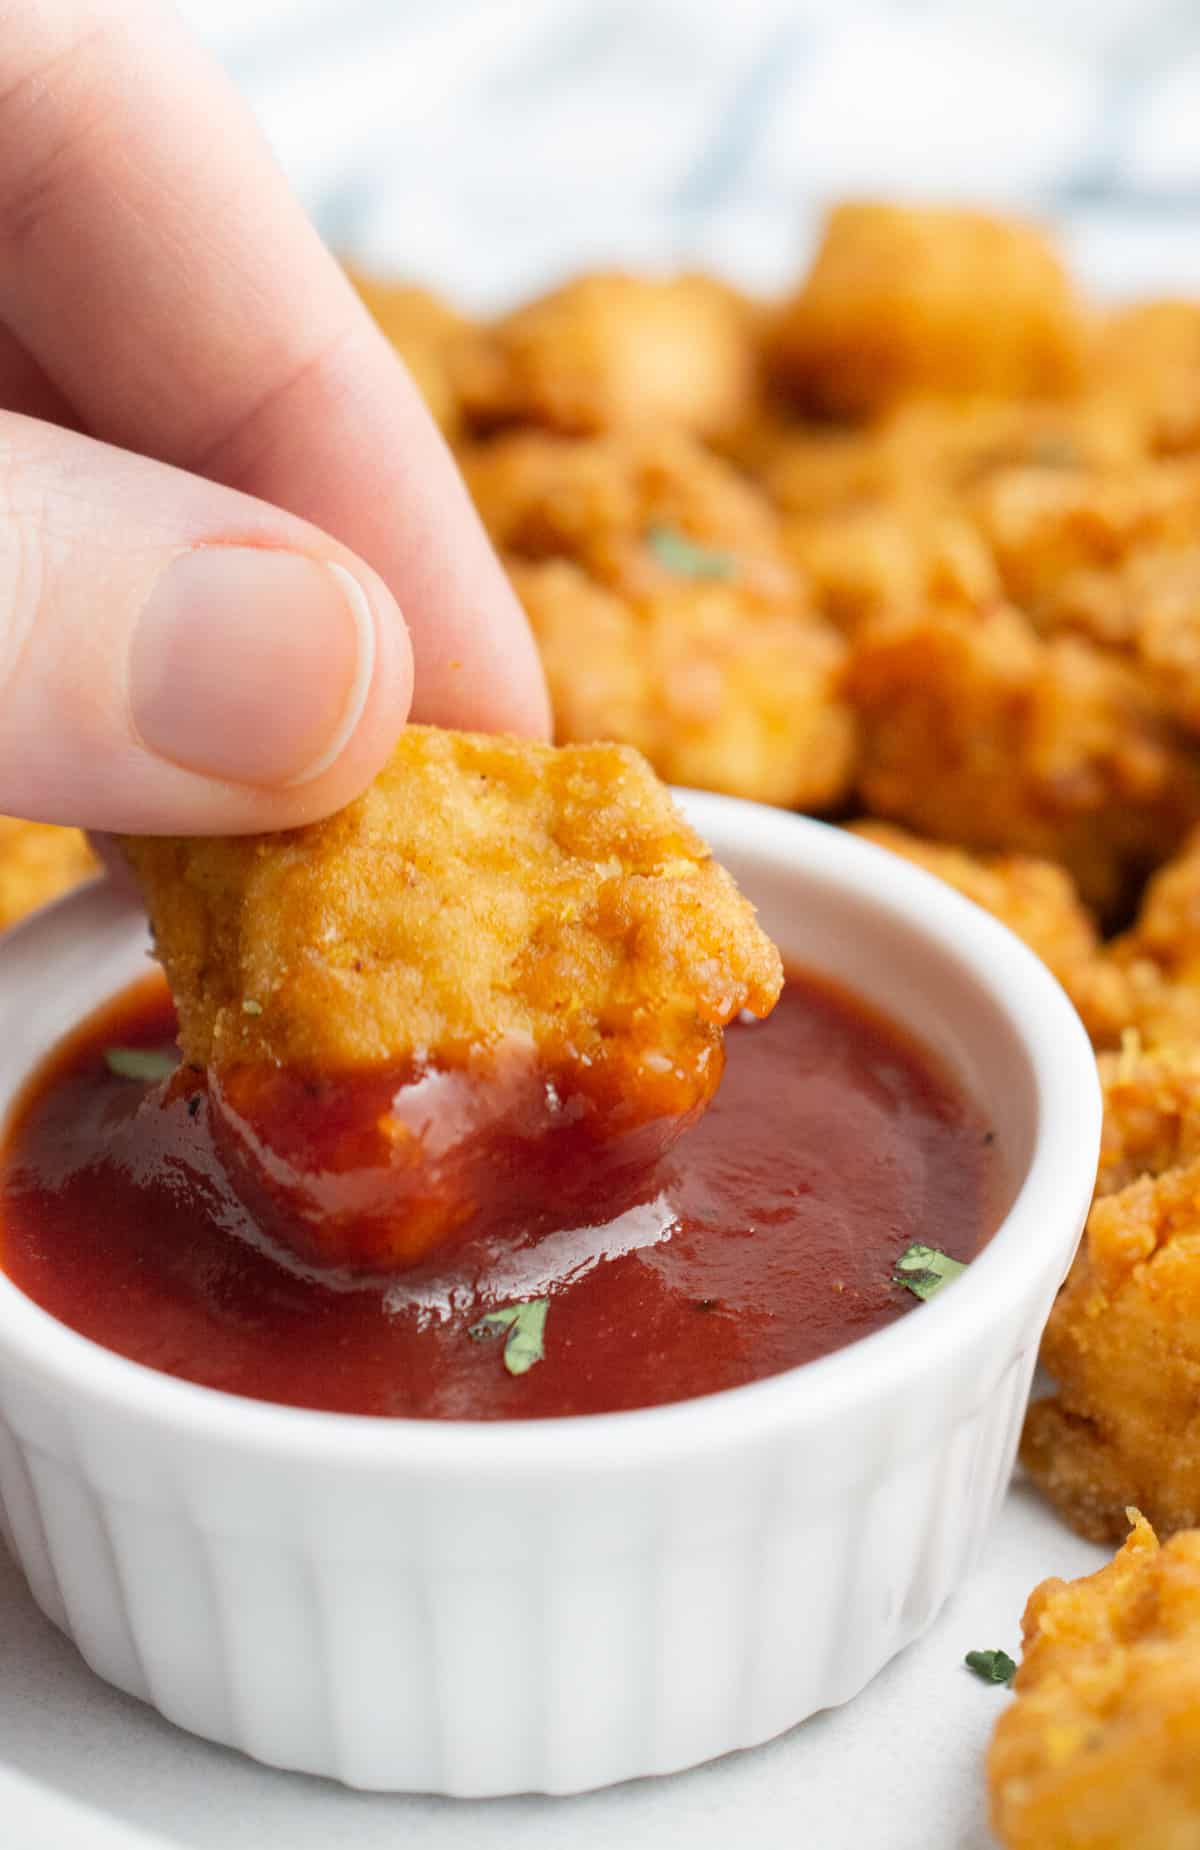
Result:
<point x="767" y="1237"/>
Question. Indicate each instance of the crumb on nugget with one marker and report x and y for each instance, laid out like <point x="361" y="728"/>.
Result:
<point x="37" y="863"/>
<point x="609" y="351"/>
<point x="1101" y="1748"/>
<point x="903" y="300"/>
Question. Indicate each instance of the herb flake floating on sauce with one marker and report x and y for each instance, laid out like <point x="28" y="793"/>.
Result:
<point x="923" y="1270"/>
<point x="526" y="1326"/>
<point x="146" y="1063"/>
<point x="685" y="558"/>
<point x="991" y="1666"/>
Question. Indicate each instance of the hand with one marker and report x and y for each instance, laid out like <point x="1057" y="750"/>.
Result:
<point x="184" y="645"/>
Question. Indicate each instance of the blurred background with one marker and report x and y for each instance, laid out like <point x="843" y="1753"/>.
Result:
<point x="490" y="146"/>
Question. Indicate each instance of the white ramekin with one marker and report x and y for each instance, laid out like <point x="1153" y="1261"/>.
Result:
<point x="552" y="1605"/>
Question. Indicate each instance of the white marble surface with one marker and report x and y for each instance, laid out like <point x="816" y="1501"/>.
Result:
<point x="487" y="146"/>
<point x="82" y="1768"/>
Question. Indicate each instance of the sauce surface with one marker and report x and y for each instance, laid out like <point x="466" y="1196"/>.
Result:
<point x="768" y="1235"/>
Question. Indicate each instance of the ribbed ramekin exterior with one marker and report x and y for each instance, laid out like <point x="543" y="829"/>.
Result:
<point x="546" y="1634"/>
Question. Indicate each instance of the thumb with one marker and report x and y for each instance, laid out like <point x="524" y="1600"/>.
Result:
<point x="176" y="657"/>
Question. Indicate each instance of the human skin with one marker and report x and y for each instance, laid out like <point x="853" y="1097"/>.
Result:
<point x="197" y="420"/>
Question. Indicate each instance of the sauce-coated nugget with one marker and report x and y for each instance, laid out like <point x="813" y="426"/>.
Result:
<point x="1101" y="1748"/>
<point x="37" y="863"/>
<point x="720" y="689"/>
<point x="978" y="731"/>
<point x="611" y="351"/>
<point x="903" y="300"/>
<point x="1123" y="1346"/>
<point x="537" y="923"/>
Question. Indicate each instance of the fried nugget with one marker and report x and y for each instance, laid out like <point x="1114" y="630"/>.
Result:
<point x="37" y="863"/>
<point x="491" y="988"/>
<point x="1035" y="899"/>
<point x="1123" y="1346"/>
<point x="1147" y="981"/>
<point x="1151" y="1111"/>
<point x="928" y="451"/>
<point x="1112" y="557"/>
<point x="1167" y="927"/>
<point x="904" y="300"/>
<point x="430" y="336"/>
<point x="891" y="561"/>
<point x="976" y="730"/>
<point x="719" y="689"/>
<point x="1118" y="995"/>
<point x="612" y="352"/>
<point x="637" y="512"/>
<point x="1101" y="1748"/>
<point x="1146" y="357"/>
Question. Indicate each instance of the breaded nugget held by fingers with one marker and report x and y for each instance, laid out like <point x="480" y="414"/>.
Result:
<point x="499" y="978"/>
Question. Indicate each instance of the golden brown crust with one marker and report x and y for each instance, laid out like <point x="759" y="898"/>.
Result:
<point x="667" y="614"/>
<point x="1123" y="1346"/>
<point x="904" y="300"/>
<point x="976" y="730"/>
<point x="1146" y="358"/>
<point x="481" y="890"/>
<point x="1099" y="1751"/>
<point x="37" y="863"/>
<point x="616" y="505"/>
<point x="1036" y="899"/>
<point x="613" y="351"/>
<point x="719" y="690"/>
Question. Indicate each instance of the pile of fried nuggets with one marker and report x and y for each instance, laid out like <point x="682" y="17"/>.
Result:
<point x="918" y="549"/>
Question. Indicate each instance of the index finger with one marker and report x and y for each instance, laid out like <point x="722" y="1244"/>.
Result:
<point x="157" y="267"/>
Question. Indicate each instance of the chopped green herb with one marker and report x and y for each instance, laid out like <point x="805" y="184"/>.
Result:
<point x="525" y="1324"/>
<point x="147" y="1063"/>
<point x="991" y="1666"/>
<point x="1056" y="452"/>
<point x="250" y="1006"/>
<point x="685" y="558"/>
<point x="925" y="1269"/>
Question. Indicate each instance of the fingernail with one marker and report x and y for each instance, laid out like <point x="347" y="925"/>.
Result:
<point x="250" y="665"/>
